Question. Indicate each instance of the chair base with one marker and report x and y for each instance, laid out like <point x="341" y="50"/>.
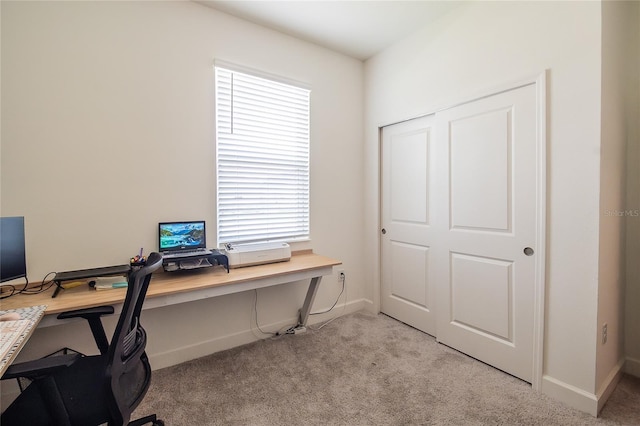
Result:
<point x="148" y="419"/>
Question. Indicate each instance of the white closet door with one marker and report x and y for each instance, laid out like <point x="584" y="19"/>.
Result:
<point x="487" y="273"/>
<point x="408" y="272"/>
<point x="459" y="208"/>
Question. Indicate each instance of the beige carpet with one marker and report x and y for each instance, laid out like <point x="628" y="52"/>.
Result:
<point x="360" y="370"/>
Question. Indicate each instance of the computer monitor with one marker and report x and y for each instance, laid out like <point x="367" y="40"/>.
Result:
<point x="13" y="263"/>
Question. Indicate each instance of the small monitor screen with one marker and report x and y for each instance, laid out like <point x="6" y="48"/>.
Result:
<point x="182" y="235"/>
<point x="12" y="252"/>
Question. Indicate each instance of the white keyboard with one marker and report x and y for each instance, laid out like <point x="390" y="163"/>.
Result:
<point x="11" y="333"/>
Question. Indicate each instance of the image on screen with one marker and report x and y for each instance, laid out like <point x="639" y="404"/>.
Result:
<point x="182" y="235"/>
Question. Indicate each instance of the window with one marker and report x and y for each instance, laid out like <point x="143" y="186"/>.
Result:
<point x="262" y="158"/>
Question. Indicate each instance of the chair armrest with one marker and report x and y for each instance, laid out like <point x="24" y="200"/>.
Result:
<point x="40" y="367"/>
<point x="98" y="311"/>
<point x="92" y="315"/>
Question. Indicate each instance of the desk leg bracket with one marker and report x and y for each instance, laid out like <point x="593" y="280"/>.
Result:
<point x="308" y="302"/>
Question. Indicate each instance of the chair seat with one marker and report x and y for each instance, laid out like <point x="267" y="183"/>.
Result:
<point x="78" y="389"/>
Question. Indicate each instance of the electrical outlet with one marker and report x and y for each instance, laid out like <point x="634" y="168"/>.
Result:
<point x="341" y="275"/>
<point x="604" y="333"/>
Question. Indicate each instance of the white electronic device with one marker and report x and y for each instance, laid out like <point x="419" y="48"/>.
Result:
<point x="257" y="254"/>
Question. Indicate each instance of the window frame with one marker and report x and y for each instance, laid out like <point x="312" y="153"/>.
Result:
<point x="301" y="215"/>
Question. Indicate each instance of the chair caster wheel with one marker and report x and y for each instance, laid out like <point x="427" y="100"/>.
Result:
<point x="158" y="423"/>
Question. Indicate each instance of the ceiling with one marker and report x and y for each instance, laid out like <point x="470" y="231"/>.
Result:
<point x="359" y="29"/>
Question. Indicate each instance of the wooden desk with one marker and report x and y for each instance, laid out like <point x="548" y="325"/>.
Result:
<point x="169" y="288"/>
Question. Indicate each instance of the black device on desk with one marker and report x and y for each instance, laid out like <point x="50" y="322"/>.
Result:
<point x="106" y="271"/>
<point x="215" y="258"/>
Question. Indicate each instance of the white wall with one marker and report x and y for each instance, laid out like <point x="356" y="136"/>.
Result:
<point x="485" y="45"/>
<point x="632" y="297"/>
<point x="619" y="53"/>
<point x="108" y="128"/>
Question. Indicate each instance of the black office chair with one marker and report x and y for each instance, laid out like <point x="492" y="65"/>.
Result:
<point x="91" y="390"/>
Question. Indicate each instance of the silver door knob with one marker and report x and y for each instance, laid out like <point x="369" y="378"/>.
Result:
<point x="528" y="251"/>
<point x="384" y="231"/>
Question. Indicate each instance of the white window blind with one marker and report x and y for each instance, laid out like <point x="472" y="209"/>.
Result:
<point x="262" y="159"/>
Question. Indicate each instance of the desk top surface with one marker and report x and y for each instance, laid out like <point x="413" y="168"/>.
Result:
<point x="166" y="283"/>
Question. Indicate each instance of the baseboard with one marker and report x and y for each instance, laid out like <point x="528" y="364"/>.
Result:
<point x="610" y="384"/>
<point x="632" y="366"/>
<point x="203" y="348"/>
<point x="338" y="311"/>
<point x="369" y="306"/>
<point x="579" y="398"/>
<point x="570" y="395"/>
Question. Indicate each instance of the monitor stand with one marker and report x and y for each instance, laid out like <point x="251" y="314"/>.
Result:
<point x="106" y="271"/>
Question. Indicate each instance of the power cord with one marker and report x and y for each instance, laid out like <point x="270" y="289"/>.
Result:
<point x="344" y="305"/>
<point x="292" y="329"/>
<point x="12" y="290"/>
<point x="255" y="312"/>
<point x="7" y="288"/>
<point x="44" y="286"/>
<point x="343" y="278"/>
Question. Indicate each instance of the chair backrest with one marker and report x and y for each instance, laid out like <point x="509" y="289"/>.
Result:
<point x="128" y="371"/>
